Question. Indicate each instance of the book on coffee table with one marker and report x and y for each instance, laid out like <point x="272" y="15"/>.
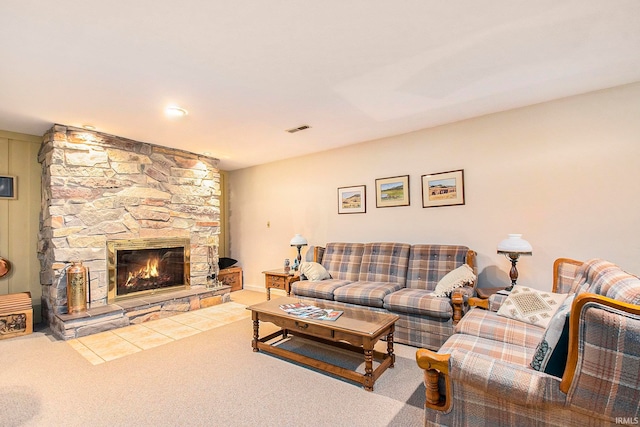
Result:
<point x="306" y="311"/>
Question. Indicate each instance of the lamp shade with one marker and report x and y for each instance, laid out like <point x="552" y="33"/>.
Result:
<point x="515" y="244"/>
<point x="298" y="240"/>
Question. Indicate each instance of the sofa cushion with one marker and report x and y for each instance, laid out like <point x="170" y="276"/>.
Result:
<point x="531" y="305"/>
<point x="384" y="262"/>
<point x="497" y="350"/>
<point x="420" y="302"/>
<point x="369" y="294"/>
<point x="342" y="260"/>
<point x="323" y="289"/>
<point x="430" y="263"/>
<point x="551" y="352"/>
<point x="314" y="271"/>
<point x="487" y="324"/>
<point x="456" y="278"/>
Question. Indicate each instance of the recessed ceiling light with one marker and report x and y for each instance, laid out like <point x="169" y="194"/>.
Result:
<point x="175" y="111"/>
<point x="89" y="127"/>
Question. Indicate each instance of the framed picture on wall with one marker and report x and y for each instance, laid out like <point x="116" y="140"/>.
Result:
<point x="443" y="189"/>
<point x="8" y="188"/>
<point x="392" y="191"/>
<point x="352" y="199"/>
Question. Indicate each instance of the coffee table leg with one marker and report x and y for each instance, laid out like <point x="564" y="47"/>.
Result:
<point x="368" y="369"/>
<point x="390" y="347"/>
<point x="256" y="335"/>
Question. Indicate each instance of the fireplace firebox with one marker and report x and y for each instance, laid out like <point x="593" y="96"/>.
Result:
<point x="146" y="266"/>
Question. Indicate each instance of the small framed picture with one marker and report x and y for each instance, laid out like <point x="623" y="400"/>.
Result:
<point x="392" y="191"/>
<point x="443" y="189"/>
<point x="352" y="199"/>
<point x="8" y="188"/>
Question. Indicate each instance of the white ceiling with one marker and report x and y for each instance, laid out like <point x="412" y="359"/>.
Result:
<point x="246" y="70"/>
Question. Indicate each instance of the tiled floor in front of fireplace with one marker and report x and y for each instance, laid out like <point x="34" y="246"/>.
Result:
<point x="110" y="345"/>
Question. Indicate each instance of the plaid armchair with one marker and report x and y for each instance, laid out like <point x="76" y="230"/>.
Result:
<point x="483" y="374"/>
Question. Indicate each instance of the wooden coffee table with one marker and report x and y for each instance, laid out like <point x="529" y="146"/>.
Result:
<point x="356" y="330"/>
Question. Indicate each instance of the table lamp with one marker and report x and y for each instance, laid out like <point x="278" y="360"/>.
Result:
<point x="512" y="248"/>
<point x="298" y="241"/>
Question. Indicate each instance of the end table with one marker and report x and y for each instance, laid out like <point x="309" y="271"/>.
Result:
<point x="482" y="300"/>
<point x="279" y="279"/>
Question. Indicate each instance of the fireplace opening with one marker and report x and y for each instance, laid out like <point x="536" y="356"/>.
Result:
<point x="146" y="269"/>
<point x="142" y="266"/>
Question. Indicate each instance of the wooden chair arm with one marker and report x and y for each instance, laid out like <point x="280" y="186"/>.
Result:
<point x="557" y="264"/>
<point x="318" y="253"/>
<point x="479" y="302"/>
<point x="471" y="261"/>
<point x="435" y="365"/>
<point x="457" y="300"/>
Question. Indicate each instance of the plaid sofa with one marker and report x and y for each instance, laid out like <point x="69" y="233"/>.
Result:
<point x="397" y="278"/>
<point x="483" y="375"/>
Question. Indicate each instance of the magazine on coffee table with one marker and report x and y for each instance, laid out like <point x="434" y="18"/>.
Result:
<point x="306" y="311"/>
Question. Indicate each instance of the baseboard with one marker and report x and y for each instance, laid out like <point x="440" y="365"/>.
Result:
<point x="260" y="288"/>
<point x="255" y="288"/>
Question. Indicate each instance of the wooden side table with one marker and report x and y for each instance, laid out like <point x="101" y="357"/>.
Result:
<point x="482" y="300"/>
<point x="279" y="279"/>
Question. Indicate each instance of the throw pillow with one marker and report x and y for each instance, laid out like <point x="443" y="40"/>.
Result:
<point x="531" y="306"/>
<point x="551" y="352"/>
<point x="314" y="271"/>
<point x="457" y="278"/>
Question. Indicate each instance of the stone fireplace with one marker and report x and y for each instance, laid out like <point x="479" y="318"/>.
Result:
<point x="110" y="202"/>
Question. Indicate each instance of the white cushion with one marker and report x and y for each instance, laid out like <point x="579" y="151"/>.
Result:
<point x="457" y="278"/>
<point x="531" y="305"/>
<point x="314" y="271"/>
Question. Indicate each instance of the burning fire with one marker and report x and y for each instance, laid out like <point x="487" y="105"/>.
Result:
<point x="151" y="270"/>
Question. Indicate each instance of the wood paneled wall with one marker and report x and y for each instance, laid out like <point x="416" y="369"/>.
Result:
<point x="19" y="218"/>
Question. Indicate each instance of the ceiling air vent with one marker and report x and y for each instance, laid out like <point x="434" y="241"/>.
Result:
<point x="298" y="129"/>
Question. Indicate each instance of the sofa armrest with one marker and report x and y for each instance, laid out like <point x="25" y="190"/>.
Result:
<point x="318" y="252"/>
<point x="435" y="365"/>
<point x="486" y="376"/>
<point x="457" y="300"/>
<point x="599" y="328"/>
<point x="564" y="273"/>
<point x="495" y="301"/>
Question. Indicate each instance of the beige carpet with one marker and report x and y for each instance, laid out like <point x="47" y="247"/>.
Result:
<point x="212" y="378"/>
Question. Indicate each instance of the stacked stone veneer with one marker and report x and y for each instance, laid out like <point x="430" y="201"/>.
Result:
<point x="97" y="187"/>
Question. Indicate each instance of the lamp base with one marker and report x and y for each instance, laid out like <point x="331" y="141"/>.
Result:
<point x="513" y="273"/>
<point x="299" y="258"/>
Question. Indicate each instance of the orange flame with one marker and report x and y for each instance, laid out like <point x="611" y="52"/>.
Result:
<point x="151" y="270"/>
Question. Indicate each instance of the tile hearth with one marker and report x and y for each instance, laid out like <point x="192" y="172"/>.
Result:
<point x="110" y="345"/>
<point x="140" y="310"/>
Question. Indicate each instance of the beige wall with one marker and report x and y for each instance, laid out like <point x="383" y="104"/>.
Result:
<point x="19" y="219"/>
<point x="565" y="173"/>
